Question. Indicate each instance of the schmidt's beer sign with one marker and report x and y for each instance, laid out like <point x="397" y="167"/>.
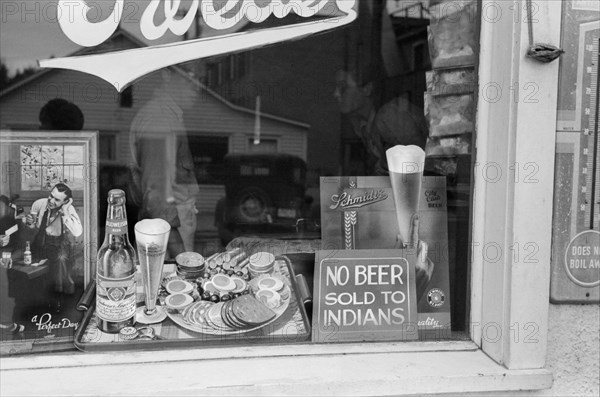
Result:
<point x="162" y="16"/>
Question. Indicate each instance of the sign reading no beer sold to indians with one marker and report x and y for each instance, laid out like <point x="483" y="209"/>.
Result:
<point x="364" y="295"/>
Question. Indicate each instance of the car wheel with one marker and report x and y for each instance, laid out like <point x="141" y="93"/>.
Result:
<point x="251" y="205"/>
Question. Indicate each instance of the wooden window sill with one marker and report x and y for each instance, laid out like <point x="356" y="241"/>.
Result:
<point x="383" y="369"/>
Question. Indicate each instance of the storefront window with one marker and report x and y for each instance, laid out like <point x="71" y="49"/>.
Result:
<point x="242" y="151"/>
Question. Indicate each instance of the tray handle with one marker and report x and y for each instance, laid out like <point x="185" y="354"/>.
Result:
<point x="86" y="300"/>
<point x="304" y="292"/>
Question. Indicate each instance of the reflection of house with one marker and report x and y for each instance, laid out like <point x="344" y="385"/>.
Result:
<point x="296" y="79"/>
<point x="215" y="126"/>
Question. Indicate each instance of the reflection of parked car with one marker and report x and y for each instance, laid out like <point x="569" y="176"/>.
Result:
<point x="264" y="193"/>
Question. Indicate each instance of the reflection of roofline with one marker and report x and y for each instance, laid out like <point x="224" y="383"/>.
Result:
<point x="179" y="70"/>
<point x="78" y="52"/>
<point x="242" y="109"/>
<point x="26" y="80"/>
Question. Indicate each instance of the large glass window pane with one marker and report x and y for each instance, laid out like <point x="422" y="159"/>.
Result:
<point x="230" y="148"/>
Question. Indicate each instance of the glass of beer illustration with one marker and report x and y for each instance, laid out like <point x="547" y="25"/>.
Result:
<point x="151" y="236"/>
<point x="34" y="216"/>
<point x="405" y="164"/>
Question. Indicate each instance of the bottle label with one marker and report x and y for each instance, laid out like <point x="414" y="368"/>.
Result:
<point x="115" y="298"/>
<point x="116" y="226"/>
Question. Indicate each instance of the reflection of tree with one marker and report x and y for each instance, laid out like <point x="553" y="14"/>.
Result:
<point x="6" y="80"/>
<point x="43" y="165"/>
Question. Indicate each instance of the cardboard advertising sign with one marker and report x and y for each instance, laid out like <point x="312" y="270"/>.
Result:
<point x="359" y="213"/>
<point x="364" y="295"/>
<point x="48" y="238"/>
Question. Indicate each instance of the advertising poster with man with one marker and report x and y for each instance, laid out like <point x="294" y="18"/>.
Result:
<point x="44" y="200"/>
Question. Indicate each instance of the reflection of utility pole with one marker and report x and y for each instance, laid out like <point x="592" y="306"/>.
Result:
<point x="195" y="67"/>
<point x="376" y="26"/>
<point x="197" y="25"/>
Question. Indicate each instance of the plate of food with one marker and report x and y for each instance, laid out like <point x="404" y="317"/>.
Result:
<point x="232" y="302"/>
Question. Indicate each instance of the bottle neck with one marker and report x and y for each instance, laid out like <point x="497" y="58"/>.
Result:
<point x="116" y="225"/>
<point x="117" y="239"/>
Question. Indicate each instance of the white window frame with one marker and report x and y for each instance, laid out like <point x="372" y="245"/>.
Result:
<point x="506" y="293"/>
<point x="250" y="140"/>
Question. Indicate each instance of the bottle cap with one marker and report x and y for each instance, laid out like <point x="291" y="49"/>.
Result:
<point x="128" y="333"/>
<point x="116" y="193"/>
<point x="116" y="196"/>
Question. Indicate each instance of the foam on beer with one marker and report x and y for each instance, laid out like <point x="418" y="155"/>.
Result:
<point x="151" y="231"/>
<point x="405" y="159"/>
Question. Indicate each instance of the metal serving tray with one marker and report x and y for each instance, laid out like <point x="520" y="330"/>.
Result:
<point x="292" y="326"/>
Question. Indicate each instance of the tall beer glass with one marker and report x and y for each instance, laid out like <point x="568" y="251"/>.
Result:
<point x="151" y="236"/>
<point x="405" y="164"/>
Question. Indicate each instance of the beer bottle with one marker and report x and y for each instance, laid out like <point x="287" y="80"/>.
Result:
<point x="27" y="254"/>
<point x="116" y="264"/>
